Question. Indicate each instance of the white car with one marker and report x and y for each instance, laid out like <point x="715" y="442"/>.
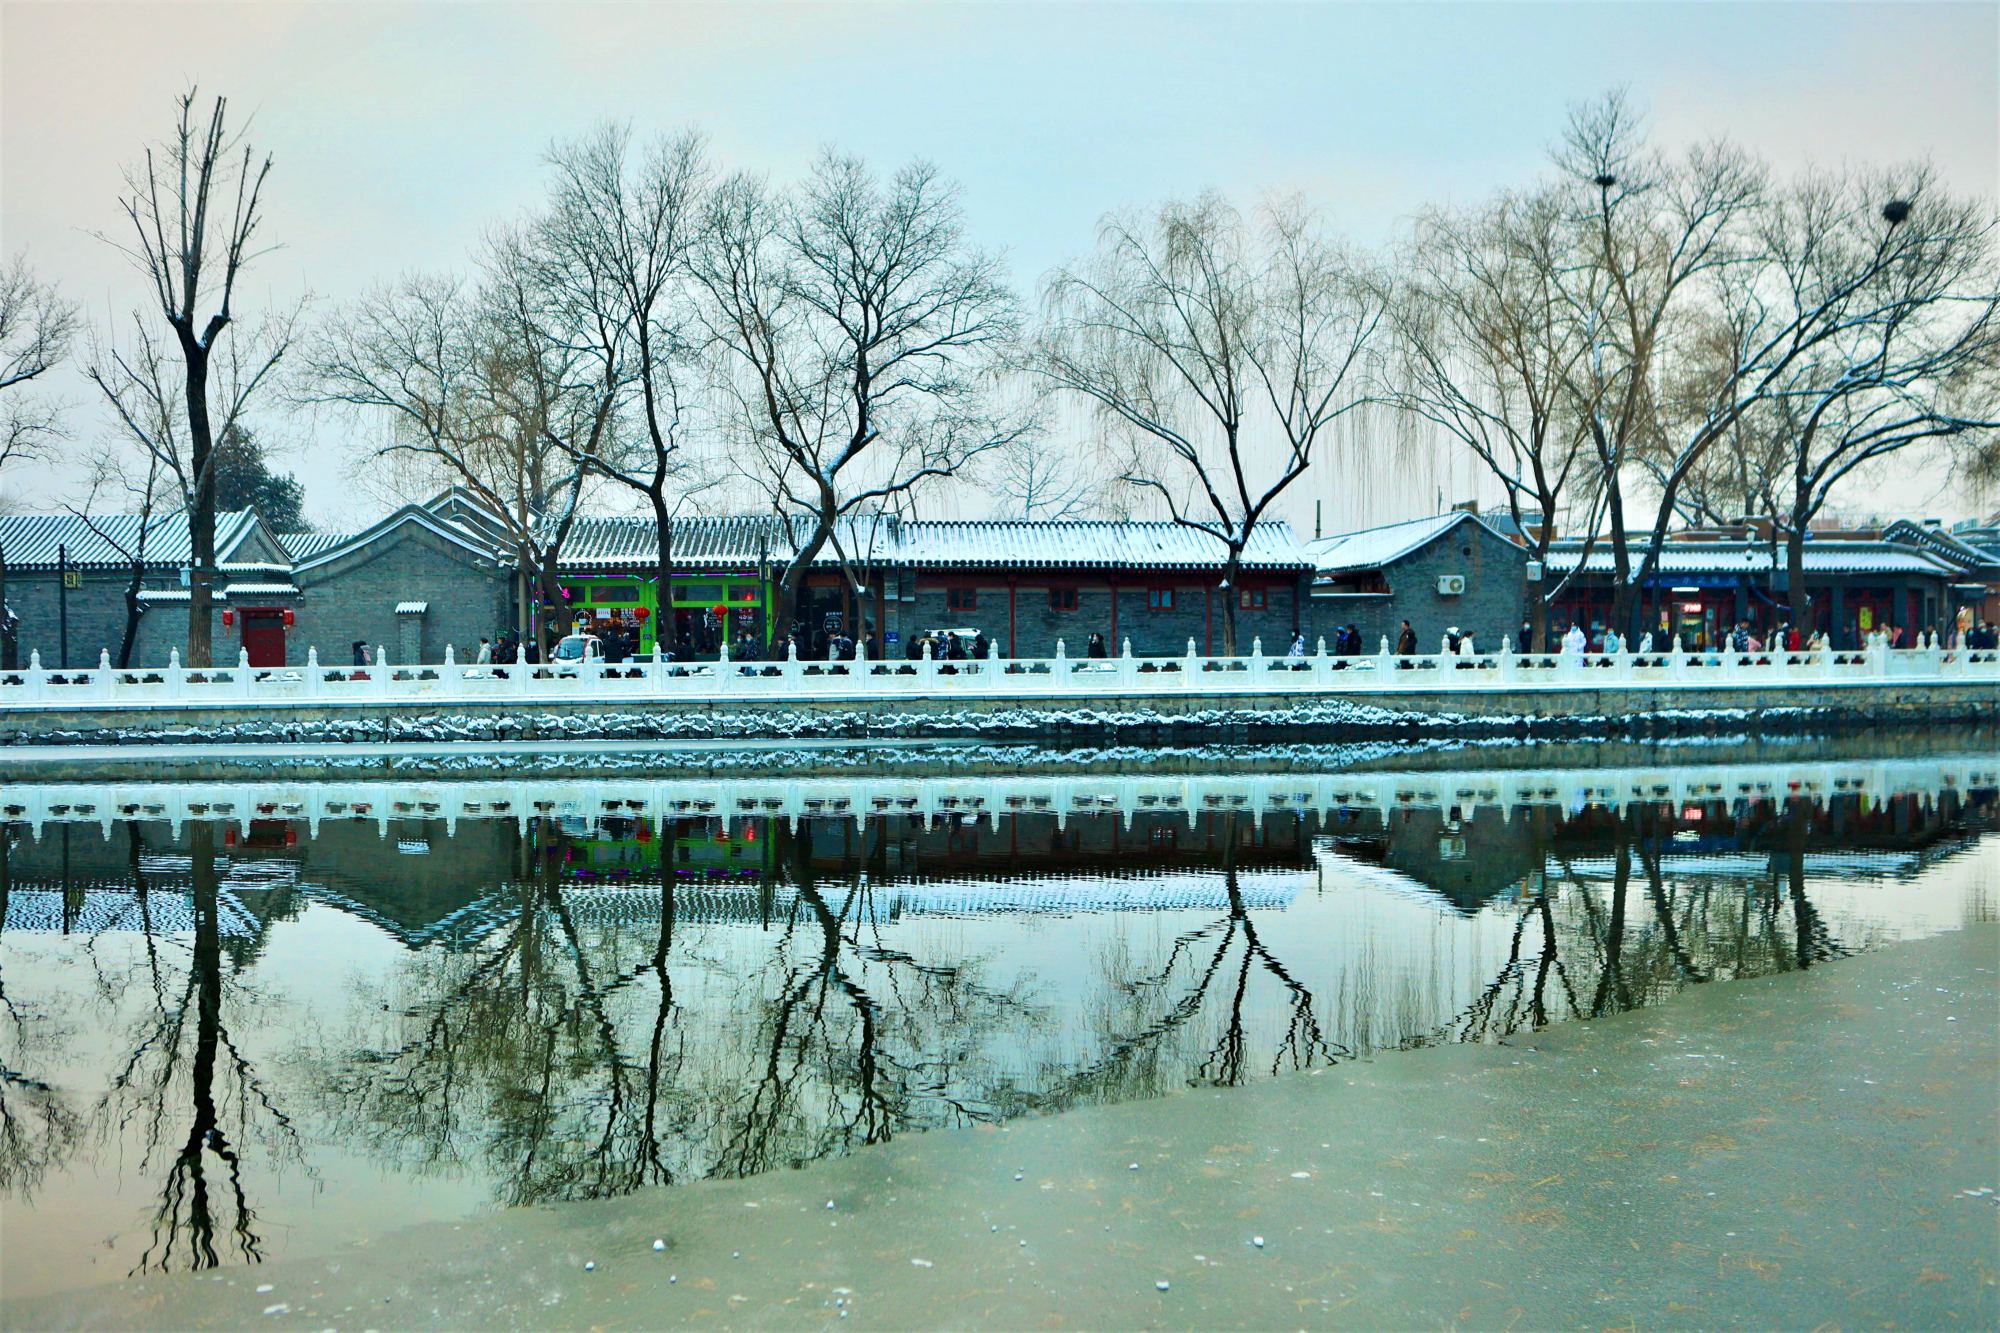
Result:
<point x="576" y="650"/>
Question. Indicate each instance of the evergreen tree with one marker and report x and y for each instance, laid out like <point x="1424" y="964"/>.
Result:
<point x="244" y="480"/>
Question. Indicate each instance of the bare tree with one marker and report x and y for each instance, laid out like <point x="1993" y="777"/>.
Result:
<point x="36" y="328"/>
<point x="1484" y="351"/>
<point x="1912" y="358"/>
<point x="1703" y="293"/>
<point x="1037" y="478"/>
<point x="1648" y="242"/>
<point x="1223" y="350"/>
<point x="195" y="211"/>
<point x="143" y="482"/>
<point x="861" y="332"/>
<point x="615" y="247"/>
<point x="156" y="465"/>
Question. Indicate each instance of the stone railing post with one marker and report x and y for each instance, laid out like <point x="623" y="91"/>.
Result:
<point x="1059" y="673"/>
<point x="451" y="677"/>
<point x="315" y="679"/>
<point x="1322" y="666"/>
<point x="1503" y="661"/>
<point x="176" y="676"/>
<point x="246" y="679"/>
<point x="102" y="682"/>
<point x="1125" y="666"/>
<point x="1190" y="669"/>
<point x="1878" y="650"/>
<point x="927" y="669"/>
<point x="383" y="671"/>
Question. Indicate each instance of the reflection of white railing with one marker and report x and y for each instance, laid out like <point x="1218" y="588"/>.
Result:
<point x="985" y="797"/>
<point x="993" y="678"/>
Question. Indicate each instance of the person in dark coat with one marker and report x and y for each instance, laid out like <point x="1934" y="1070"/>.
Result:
<point x="1406" y="640"/>
<point x="1096" y="647"/>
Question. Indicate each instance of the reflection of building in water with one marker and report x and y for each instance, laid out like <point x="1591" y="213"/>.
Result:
<point x="1471" y="858"/>
<point x="425" y="880"/>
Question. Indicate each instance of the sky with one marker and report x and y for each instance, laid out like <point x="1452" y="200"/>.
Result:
<point x="402" y="131"/>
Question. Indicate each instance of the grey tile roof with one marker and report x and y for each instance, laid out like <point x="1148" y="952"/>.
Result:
<point x="302" y="544"/>
<point x="1372" y="548"/>
<point x="32" y="541"/>
<point x="711" y="541"/>
<point x="1736" y="557"/>
<point x="1090" y="545"/>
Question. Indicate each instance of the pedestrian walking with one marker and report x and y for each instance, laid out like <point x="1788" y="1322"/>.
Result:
<point x="485" y="650"/>
<point x="1575" y="644"/>
<point x="361" y="652"/>
<point x="1096" y="647"/>
<point x="1406" y="640"/>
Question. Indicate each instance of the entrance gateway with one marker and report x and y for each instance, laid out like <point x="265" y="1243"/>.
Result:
<point x="707" y="609"/>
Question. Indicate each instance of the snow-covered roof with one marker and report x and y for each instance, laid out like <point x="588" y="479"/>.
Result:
<point x="472" y="541"/>
<point x="32" y="541"/>
<point x="303" y="544"/>
<point x="1938" y="541"/>
<point x="261" y="590"/>
<point x="716" y="541"/>
<point x="412" y="608"/>
<point x="1737" y="557"/>
<point x="1089" y="545"/>
<point x="1372" y="548"/>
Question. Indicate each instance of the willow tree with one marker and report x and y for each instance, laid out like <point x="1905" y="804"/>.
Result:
<point x="1223" y="348"/>
<point x="615" y="248"/>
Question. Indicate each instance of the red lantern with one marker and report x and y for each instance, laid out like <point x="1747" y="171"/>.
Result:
<point x="228" y="618"/>
<point x="720" y="609"/>
<point x="640" y="613"/>
<point x="290" y="618"/>
<point x="291" y="836"/>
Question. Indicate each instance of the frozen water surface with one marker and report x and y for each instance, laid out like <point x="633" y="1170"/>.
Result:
<point x="263" y="1040"/>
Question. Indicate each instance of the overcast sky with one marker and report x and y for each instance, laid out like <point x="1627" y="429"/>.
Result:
<point x="401" y="130"/>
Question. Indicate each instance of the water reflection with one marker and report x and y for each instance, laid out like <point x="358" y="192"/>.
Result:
<point x="270" y="1029"/>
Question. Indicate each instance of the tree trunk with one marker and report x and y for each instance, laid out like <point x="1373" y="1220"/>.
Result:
<point x="664" y="612"/>
<point x="10" y="640"/>
<point x="1795" y="579"/>
<point x="1621" y="561"/>
<point x="793" y="580"/>
<point x="201" y="515"/>
<point x="133" y="610"/>
<point x="1538" y="616"/>
<point x="1232" y="569"/>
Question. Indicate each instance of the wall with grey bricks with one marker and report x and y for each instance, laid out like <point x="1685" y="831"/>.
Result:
<point x="96" y="618"/>
<point x="354" y="596"/>
<point x="1492" y="605"/>
<point x="1197" y="613"/>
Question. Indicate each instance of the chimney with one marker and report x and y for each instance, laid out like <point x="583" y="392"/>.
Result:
<point x="1466" y="507"/>
<point x="1934" y="523"/>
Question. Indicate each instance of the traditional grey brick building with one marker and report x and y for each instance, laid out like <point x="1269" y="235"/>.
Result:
<point x="252" y="595"/>
<point x="440" y="576"/>
<point x="1448" y="571"/>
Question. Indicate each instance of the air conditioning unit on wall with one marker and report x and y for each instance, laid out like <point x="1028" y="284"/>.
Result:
<point x="1451" y="585"/>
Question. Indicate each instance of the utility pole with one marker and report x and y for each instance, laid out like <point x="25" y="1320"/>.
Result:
<point x="62" y="604"/>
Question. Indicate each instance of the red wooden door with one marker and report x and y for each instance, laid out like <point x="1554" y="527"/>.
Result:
<point x="264" y="638"/>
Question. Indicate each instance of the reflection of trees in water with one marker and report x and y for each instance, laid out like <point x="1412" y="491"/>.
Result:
<point x="38" y="1127"/>
<point x="187" y="1090"/>
<point x="564" y="1061"/>
<point x="1151" y="1034"/>
<point x="1580" y="949"/>
<point x="567" y="1059"/>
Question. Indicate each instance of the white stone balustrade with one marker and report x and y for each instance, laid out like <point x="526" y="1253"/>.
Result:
<point x="1124" y="676"/>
